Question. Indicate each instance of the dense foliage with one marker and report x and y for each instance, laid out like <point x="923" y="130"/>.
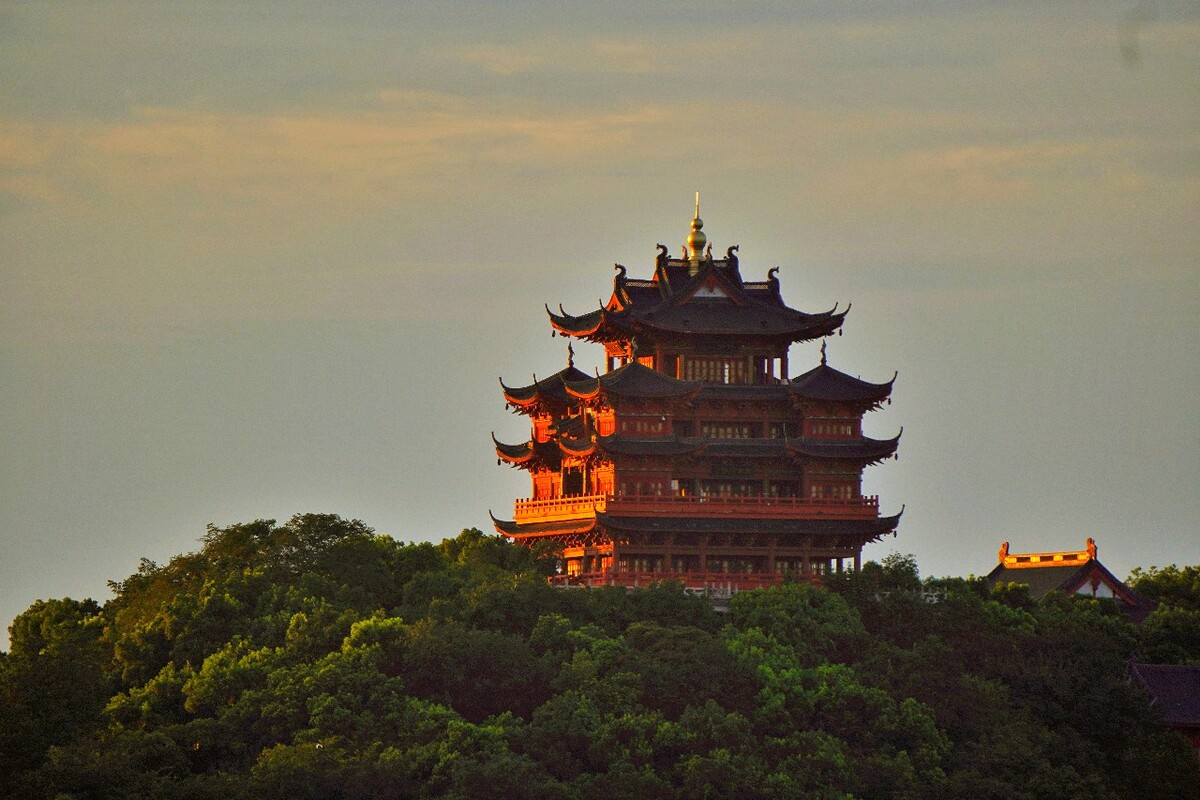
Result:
<point x="316" y="659"/>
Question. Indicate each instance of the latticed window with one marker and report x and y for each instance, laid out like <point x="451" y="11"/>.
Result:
<point x="728" y="430"/>
<point x="716" y="370"/>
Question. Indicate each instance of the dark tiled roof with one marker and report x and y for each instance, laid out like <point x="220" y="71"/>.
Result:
<point x="579" y="446"/>
<point x="633" y="380"/>
<point x="522" y="529"/>
<point x="868" y="529"/>
<point x="513" y="452"/>
<point x="1176" y="691"/>
<point x="642" y="293"/>
<point x="865" y="529"/>
<point x="823" y="382"/>
<point x="649" y="446"/>
<point x="669" y="304"/>
<point x="864" y="449"/>
<point x="1040" y="580"/>
<point x="752" y="318"/>
<point x="578" y="325"/>
<point x="526" y="453"/>
<point x="548" y="389"/>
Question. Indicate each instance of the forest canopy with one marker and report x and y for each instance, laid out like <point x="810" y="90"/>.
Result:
<point x="317" y="659"/>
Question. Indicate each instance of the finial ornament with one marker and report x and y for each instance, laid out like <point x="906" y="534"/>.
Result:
<point x="1091" y="548"/>
<point x="696" y="240"/>
<point x="570" y="356"/>
<point x="1003" y="552"/>
<point x="822" y="353"/>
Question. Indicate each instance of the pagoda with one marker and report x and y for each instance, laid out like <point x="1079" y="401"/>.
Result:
<point x="694" y="457"/>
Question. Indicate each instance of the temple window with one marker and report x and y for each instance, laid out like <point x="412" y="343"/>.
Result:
<point x="832" y="491"/>
<point x="716" y="370"/>
<point x="644" y="426"/>
<point x="831" y="428"/>
<point x="730" y="430"/>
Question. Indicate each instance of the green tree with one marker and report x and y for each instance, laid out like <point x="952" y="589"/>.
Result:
<point x="1172" y="586"/>
<point x="53" y="684"/>
<point x="818" y="624"/>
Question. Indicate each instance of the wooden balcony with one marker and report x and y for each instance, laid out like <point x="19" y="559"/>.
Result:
<point x="579" y="506"/>
<point x="584" y="506"/>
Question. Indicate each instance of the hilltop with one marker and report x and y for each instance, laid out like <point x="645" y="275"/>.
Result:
<point x="318" y="659"/>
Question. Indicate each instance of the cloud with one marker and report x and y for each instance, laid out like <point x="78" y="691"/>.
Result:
<point x="500" y="59"/>
<point x="288" y="159"/>
<point x="26" y="151"/>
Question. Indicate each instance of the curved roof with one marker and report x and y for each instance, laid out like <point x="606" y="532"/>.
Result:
<point x="634" y="380"/>
<point x="870" y="451"/>
<point x="869" y="529"/>
<point x="864" y="449"/>
<point x="650" y="446"/>
<point x="823" y="382"/>
<point x="529" y="454"/>
<point x="712" y="301"/>
<point x="542" y="392"/>
<point x="513" y="528"/>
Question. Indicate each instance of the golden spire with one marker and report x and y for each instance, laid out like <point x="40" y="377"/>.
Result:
<point x="696" y="239"/>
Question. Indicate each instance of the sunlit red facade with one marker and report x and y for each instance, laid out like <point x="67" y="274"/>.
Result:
<point x="694" y="456"/>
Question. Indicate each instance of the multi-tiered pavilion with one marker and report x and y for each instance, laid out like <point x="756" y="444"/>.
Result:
<point x="694" y="456"/>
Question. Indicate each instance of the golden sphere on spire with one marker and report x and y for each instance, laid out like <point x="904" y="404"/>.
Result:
<point x="696" y="240"/>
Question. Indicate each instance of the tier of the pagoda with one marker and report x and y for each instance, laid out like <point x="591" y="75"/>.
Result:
<point x="635" y="380"/>
<point x="673" y="304"/>
<point x="602" y="522"/>
<point x="862" y="450"/>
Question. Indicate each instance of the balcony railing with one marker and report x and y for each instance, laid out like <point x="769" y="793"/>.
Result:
<point x="579" y="506"/>
<point x="584" y="506"/>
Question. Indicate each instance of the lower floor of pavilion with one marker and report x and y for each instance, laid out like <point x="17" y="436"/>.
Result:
<point x="702" y="553"/>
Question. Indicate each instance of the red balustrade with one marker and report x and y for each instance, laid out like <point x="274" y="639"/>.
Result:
<point x="584" y="506"/>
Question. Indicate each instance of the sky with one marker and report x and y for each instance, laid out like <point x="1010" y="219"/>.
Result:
<point x="271" y="258"/>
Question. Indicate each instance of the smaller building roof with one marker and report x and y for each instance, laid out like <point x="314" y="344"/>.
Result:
<point x="1175" y="689"/>
<point x="1068" y="571"/>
